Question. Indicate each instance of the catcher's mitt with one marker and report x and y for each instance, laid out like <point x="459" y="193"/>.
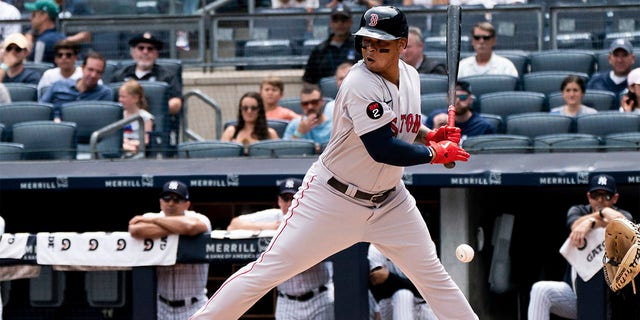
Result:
<point x="622" y="254"/>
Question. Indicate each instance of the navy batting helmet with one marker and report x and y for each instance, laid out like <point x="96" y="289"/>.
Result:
<point x="384" y="23"/>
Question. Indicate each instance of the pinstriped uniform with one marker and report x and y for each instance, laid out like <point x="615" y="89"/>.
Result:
<point x="318" y="307"/>
<point x="403" y="304"/>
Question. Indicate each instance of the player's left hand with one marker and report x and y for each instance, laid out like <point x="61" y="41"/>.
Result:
<point x="446" y="151"/>
<point x="444" y="133"/>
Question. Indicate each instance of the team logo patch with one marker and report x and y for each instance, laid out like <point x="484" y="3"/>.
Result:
<point x="373" y="20"/>
<point x="375" y="110"/>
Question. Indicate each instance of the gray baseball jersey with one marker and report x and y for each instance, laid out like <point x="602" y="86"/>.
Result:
<point x="322" y="221"/>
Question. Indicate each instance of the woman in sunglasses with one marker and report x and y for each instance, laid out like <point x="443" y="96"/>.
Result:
<point x="66" y="56"/>
<point x="251" y="125"/>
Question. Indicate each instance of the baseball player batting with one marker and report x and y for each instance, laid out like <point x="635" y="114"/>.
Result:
<point x="354" y="191"/>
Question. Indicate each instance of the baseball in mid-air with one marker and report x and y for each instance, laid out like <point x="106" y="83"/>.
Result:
<point x="464" y="253"/>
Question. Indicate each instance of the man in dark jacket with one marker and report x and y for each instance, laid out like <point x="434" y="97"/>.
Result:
<point x="326" y="56"/>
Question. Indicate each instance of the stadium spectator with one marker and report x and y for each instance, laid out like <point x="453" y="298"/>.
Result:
<point x="314" y="124"/>
<point x="15" y="49"/>
<point x="470" y="123"/>
<point x="485" y="61"/>
<point x="131" y="96"/>
<point x="572" y="89"/>
<point x="8" y="12"/>
<point x="341" y="73"/>
<point x="252" y="122"/>
<point x="66" y="55"/>
<point x="144" y="49"/>
<point x="85" y="88"/>
<point x="43" y="29"/>
<point x="414" y="55"/>
<point x="630" y="101"/>
<point x="271" y="91"/>
<point x="339" y="47"/>
<point x="308" y="295"/>
<point x="621" y="59"/>
<point x="182" y="288"/>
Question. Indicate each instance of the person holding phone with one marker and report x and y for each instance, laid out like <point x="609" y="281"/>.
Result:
<point x="314" y="125"/>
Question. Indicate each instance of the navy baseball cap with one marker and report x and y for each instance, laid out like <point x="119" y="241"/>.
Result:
<point x="289" y="185"/>
<point x="146" y="37"/>
<point x="176" y="187"/>
<point x="464" y="86"/>
<point x="341" y="10"/>
<point x="603" y="182"/>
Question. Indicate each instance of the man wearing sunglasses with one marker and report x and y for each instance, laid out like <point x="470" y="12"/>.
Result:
<point x="470" y="123"/>
<point x="15" y="49"/>
<point x="145" y="50"/>
<point x="314" y="124"/>
<point x="307" y="295"/>
<point x="559" y="297"/>
<point x="485" y="61"/>
<point x="66" y="55"/>
<point x="182" y="288"/>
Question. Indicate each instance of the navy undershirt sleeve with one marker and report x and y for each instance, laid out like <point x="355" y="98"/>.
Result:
<point x="383" y="147"/>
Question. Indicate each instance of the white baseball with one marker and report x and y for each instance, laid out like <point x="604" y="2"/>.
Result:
<point x="464" y="253"/>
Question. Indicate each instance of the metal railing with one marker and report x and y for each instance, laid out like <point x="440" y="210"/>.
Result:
<point x="187" y="133"/>
<point x="114" y="127"/>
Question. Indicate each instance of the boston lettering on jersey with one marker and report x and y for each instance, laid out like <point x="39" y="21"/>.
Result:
<point x="408" y="123"/>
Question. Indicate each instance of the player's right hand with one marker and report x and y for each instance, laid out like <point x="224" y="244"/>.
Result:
<point x="444" y="133"/>
<point x="447" y="151"/>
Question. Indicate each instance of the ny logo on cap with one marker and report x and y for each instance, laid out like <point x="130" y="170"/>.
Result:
<point x="602" y="181"/>
<point x="173" y="185"/>
<point x="373" y="20"/>
<point x="289" y="184"/>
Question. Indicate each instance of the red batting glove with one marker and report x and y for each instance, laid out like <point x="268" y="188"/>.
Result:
<point x="446" y="151"/>
<point x="444" y="133"/>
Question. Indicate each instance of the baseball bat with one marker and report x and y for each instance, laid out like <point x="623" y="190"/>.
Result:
<point x="453" y="57"/>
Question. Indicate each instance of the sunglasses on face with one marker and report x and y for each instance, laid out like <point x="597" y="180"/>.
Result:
<point x="601" y="195"/>
<point x="148" y="48"/>
<point x="249" y="108"/>
<point x="313" y="102"/>
<point x="485" y="38"/>
<point x="169" y="198"/>
<point x="64" y="55"/>
<point x="14" y="48"/>
<point x="463" y="97"/>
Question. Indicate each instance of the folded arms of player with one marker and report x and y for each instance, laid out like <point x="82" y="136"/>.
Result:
<point x="383" y="147"/>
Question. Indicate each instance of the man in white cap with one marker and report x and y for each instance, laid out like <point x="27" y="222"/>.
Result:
<point x="621" y="59"/>
<point x="15" y="49"/>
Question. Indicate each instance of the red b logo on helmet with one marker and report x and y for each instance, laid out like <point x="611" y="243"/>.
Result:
<point x="373" y="20"/>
